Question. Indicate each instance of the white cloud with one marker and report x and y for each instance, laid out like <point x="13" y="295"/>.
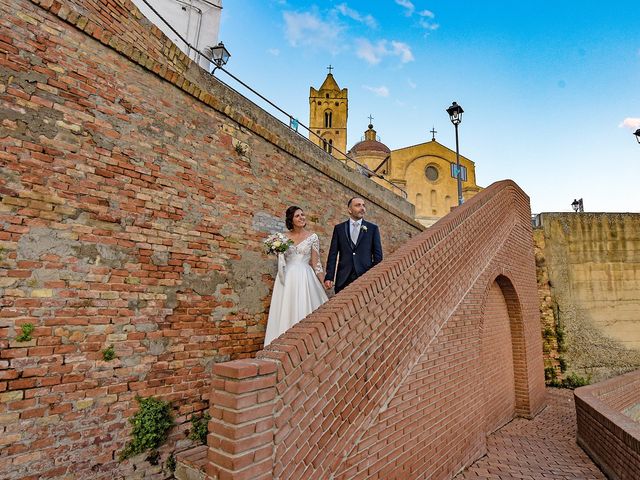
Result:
<point x="403" y="51"/>
<point x="381" y="91"/>
<point x="349" y="12"/>
<point x="310" y="30"/>
<point x="409" y="7"/>
<point x="373" y="53"/>
<point x="630" y="122"/>
<point x="411" y="83"/>
<point x="427" y="25"/>
<point x="273" y="51"/>
<point x="426" y="17"/>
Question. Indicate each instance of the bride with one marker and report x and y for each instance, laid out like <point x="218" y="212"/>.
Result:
<point x="298" y="289"/>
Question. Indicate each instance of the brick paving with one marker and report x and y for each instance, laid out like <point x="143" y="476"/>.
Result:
<point x="542" y="448"/>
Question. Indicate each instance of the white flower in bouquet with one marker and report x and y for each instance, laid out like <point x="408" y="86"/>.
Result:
<point x="277" y="243"/>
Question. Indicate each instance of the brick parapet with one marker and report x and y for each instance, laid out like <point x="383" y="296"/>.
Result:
<point x="610" y="438"/>
<point x="340" y="409"/>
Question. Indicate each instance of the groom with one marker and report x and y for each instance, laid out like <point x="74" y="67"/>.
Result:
<point x="355" y="246"/>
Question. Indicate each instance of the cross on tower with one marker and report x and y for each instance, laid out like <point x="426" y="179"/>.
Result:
<point x="329" y="68"/>
<point x="370" y="118"/>
<point x="433" y="133"/>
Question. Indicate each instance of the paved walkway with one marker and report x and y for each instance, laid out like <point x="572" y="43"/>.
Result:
<point x="542" y="448"/>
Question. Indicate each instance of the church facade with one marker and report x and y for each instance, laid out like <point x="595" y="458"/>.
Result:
<point x="426" y="171"/>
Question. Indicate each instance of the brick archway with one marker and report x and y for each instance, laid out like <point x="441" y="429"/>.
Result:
<point x="503" y="359"/>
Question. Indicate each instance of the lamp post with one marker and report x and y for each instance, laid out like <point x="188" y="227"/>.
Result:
<point x="455" y="112"/>
<point x="219" y="56"/>
<point x="577" y="205"/>
<point x="637" y="134"/>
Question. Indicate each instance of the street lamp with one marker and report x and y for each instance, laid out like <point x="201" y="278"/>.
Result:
<point x="577" y="205"/>
<point x="455" y="112"/>
<point x="637" y="134"/>
<point x="219" y="56"/>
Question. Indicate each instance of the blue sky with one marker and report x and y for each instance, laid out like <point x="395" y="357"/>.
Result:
<point x="550" y="89"/>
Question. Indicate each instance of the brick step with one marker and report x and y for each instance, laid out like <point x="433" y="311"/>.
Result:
<point x="190" y="464"/>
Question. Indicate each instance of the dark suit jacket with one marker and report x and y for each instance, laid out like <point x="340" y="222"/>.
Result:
<point x="357" y="258"/>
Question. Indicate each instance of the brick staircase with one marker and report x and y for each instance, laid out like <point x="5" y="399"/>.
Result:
<point x="402" y="375"/>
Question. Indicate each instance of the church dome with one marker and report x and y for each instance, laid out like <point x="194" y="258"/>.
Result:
<point x="370" y="143"/>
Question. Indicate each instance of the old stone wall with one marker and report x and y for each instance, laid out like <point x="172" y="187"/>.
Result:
<point x="590" y="265"/>
<point x="135" y="192"/>
<point x="404" y="373"/>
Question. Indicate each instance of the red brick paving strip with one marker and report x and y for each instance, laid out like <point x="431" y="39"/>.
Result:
<point x="542" y="448"/>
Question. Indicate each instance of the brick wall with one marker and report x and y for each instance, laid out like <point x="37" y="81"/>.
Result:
<point x="610" y="438"/>
<point x="398" y="376"/>
<point x="128" y="217"/>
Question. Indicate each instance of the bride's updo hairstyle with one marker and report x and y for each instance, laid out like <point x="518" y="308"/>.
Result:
<point x="288" y="216"/>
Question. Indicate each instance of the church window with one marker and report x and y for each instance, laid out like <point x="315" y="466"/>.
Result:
<point x="434" y="198"/>
<point x="431" y="172"/>
<point x="419" y="202"/>
<point x="337" y="104"/>
<point x="326" y="95"/>
<point x="330" y="146"/>
<point x="327" y="119"/>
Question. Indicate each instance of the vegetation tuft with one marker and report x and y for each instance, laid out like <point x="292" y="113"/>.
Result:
<point x="151" y="424"/>
<point x="25" y="332"/>
<point x="200" y="428"/>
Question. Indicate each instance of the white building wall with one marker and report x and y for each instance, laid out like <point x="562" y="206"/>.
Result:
<point x="198" y="21"/>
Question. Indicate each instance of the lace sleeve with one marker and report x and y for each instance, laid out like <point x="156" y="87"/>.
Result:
<point x="316" y="264"/>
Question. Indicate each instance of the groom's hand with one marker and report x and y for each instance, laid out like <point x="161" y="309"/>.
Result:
<point x="328" y="284"/>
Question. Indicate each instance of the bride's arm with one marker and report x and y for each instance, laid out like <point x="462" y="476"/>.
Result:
<point x="315" y="262"/>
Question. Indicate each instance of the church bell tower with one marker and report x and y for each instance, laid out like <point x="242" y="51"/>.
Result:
<point x="328" y="109"/>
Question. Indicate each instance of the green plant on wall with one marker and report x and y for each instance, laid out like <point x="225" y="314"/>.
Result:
<point x="562" y="363"/>
<point x="170" y="464"/>
<point x="199" y="428"/>
<point x="573" y="381"/>
<point x="25" y="332"/>
<point x="151" y="424"/>
<point x="240" y="149"/>
<point x="550" y="374"/>
<point x="108" y="353"/>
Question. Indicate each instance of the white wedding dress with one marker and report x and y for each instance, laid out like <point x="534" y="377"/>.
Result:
<point x="297" y="290"/>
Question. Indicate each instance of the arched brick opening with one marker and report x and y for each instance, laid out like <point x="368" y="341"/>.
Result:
<point x="517" y="344"/>
<point x="502" y="355"/>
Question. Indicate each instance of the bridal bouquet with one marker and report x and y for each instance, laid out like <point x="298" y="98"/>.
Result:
<point x="277" y="243"/>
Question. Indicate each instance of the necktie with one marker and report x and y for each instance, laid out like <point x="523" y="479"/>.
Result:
<point x="355" y="231"/>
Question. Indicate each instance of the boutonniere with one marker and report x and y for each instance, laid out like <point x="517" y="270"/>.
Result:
<point x="364" y="228"/>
